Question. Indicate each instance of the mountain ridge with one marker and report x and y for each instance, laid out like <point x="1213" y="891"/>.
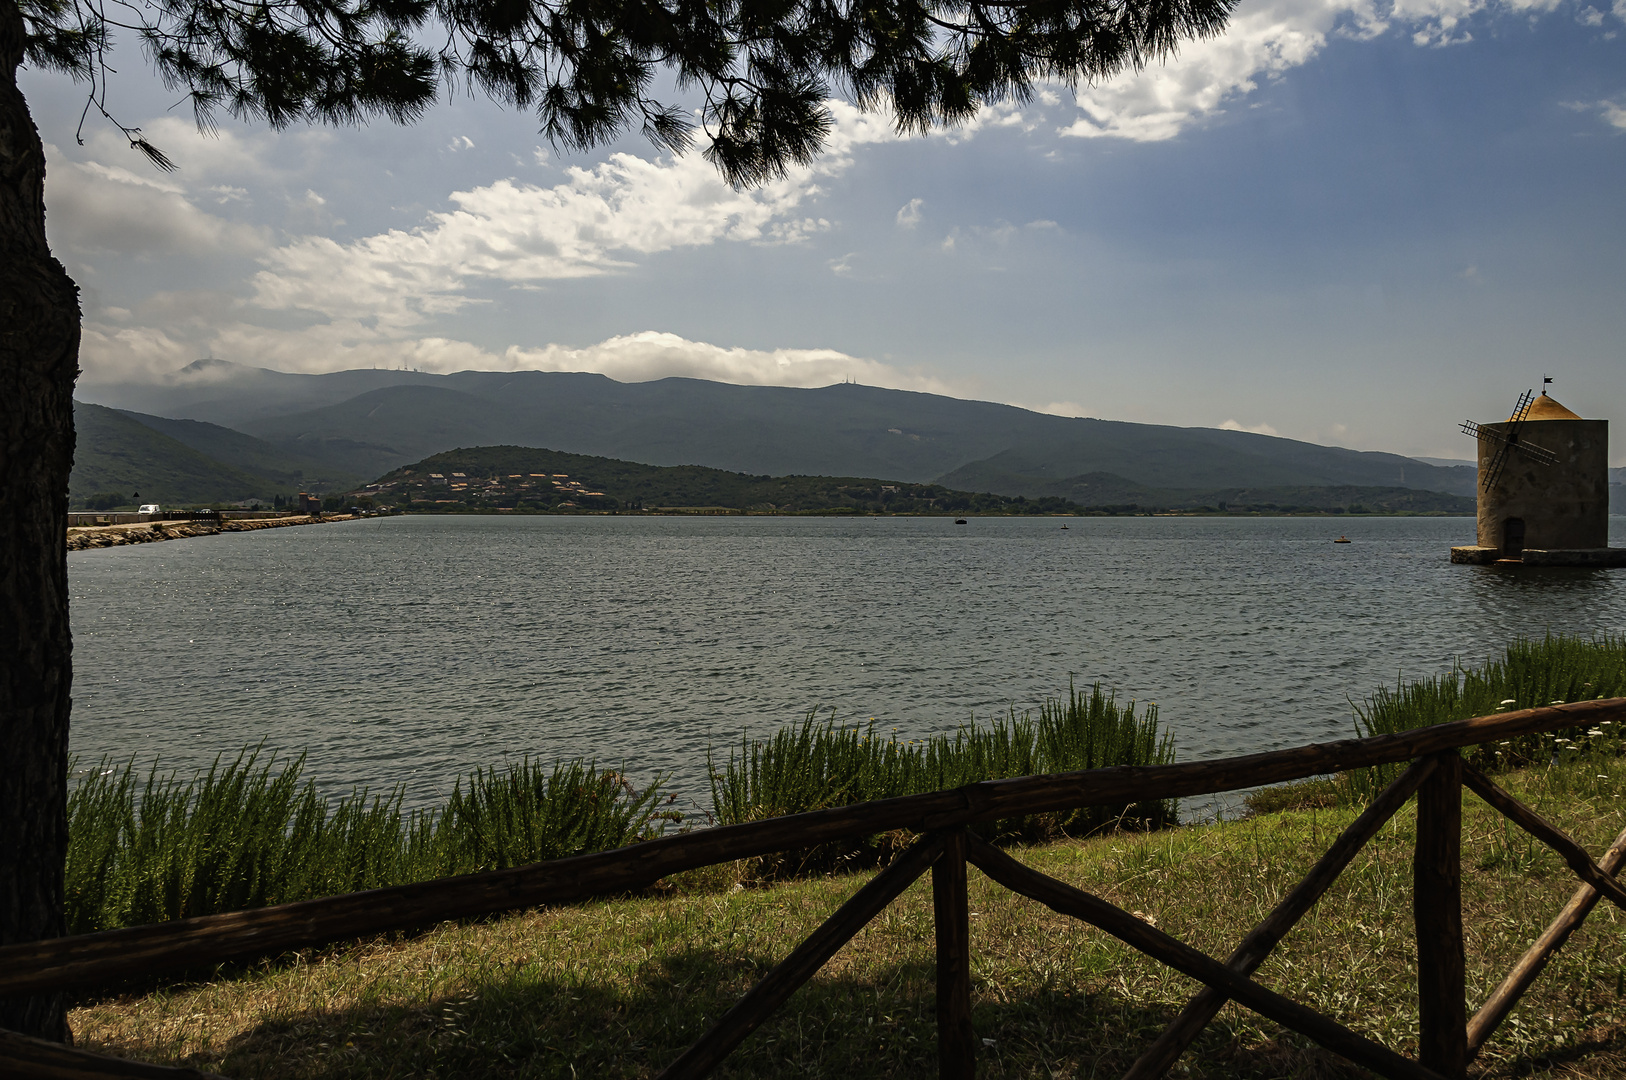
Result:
<point x="368" y="421"/>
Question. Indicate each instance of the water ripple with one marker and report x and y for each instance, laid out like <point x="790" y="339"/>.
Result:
<point x="413" y="649"/>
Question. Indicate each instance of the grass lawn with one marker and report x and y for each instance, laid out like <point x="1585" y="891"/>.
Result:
<point x="618" y="988"/>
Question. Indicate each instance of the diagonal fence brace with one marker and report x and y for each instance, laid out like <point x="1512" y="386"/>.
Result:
<point x="1533" y="823"/>
<point x="1068" y="900"/>
<point x="804" y="962"/>
<point x="1530" y="965"/>
<point x="1253" y="950"/>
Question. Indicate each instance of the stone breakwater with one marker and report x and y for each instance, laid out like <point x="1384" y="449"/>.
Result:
<point x="101" y="536"/>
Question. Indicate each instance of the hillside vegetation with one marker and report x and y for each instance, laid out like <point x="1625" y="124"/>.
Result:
<point x="289" y="472"/>
<point x="521" y="478"/>
<point x="526" y="479"/>
<point x="122" y="459"/>
<point x="119" y="461"/>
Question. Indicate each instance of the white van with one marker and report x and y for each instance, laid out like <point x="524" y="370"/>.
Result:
<point x="149" y="508"/>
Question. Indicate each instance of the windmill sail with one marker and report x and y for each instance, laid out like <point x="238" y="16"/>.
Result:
<point x="1509" y="442"/>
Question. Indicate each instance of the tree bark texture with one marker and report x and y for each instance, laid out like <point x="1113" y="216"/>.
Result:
<point x="39" y="353"/>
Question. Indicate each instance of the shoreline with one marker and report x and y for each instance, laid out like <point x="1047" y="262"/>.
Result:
<point x="90" y="537"/>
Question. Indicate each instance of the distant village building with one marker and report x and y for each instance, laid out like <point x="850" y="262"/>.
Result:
<point x="1543" y="490"/>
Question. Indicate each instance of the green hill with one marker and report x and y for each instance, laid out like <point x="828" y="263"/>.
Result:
<point x="524" y="479"/>
<point x="119" y="461"/>
<point x="289" y="472"/>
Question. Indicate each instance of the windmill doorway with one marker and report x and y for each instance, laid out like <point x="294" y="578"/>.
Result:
<point x="1512" y="538"/>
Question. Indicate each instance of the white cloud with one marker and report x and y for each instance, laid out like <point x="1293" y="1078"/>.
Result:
<point x="1440" y="22"/>
<point x="243" y="153"/>
<point x="1265" y="39"/>
<point x="909" y="215"/>
<point x="595" y="222"/>
<point x="652" y="355"/>
<point x="1613" y="113"/>
<point x="1257" y="429"/>
<point x="95" y="209"/>
<point x="1060" y="408"/>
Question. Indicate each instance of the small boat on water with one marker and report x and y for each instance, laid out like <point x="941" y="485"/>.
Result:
<point x="1342" y="540"/>
<point x="959" y="521"/>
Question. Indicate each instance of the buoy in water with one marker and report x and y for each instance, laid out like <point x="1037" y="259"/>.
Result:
<point x="1342" y="540"/>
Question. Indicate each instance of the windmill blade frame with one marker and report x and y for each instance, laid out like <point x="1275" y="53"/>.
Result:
<point x="1509" y="442"/>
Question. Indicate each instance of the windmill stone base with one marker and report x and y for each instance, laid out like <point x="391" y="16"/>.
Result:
<point x="1484" y="556"/>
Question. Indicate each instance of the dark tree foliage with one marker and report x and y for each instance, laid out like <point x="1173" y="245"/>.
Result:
<point x="764" y="68"/>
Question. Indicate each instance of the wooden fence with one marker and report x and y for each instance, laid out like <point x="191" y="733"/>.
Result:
<point x="1449" y="1037"/>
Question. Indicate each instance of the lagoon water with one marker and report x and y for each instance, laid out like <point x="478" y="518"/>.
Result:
<point x="414" y="649"/>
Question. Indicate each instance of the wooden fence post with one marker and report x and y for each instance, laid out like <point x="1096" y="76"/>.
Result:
<point x="1437" y="907"/>
<point x="956" y="1042"/>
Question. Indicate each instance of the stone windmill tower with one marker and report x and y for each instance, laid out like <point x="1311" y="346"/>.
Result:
<point x="1543" y="489"/>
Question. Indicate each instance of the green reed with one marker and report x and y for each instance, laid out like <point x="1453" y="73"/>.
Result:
<point x="817" y="765"/>
<point x="249" y="833"/>
<point x="1532" y="672"/>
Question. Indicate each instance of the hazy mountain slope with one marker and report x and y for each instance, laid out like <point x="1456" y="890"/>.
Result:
<point x="843" y="430"/>
<point x="233" y="448"/>
<point x="369" y="421"/>
<point x="381" y="429"/>
<point x="834" y="431"/>
<point x="1108" y="490"/>
<point x="117" y="455"/>
<point x="222" y="392"/>
<point x="1195" y="457"/>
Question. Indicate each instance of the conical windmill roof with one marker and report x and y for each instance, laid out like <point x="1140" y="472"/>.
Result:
<point x="1545" y="408"/>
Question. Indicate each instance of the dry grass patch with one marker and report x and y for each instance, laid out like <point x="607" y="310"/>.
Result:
<point x="618" y="988"/>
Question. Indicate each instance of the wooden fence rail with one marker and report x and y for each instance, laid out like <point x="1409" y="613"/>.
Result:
<point x="1436" y="776"/>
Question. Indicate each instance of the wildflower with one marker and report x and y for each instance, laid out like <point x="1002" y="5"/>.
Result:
<point x="1559" y="702"/>
<point x="1511" y="701"/>
<point x="1594" y="731"/>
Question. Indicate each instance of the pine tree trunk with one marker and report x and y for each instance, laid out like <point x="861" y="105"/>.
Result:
<point x="39" y="351"/>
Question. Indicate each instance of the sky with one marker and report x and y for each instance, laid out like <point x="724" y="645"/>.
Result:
<point x="1355" y="222"/>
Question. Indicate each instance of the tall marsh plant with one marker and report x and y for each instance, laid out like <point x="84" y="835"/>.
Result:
<point x="249" y="834"/>
<point x="1532" y="672"/>
<point x="818" y="765"/>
